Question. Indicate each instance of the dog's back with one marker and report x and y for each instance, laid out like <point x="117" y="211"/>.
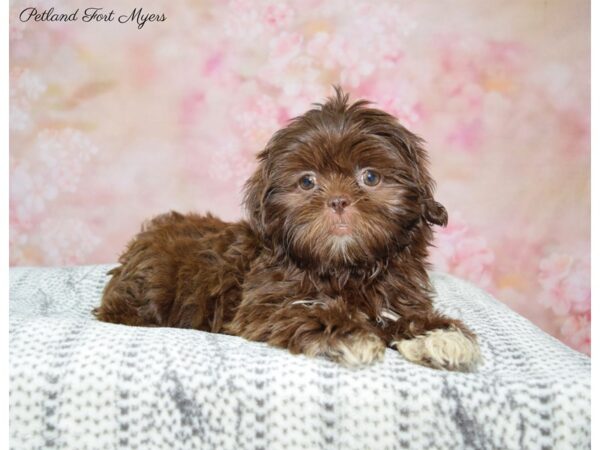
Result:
<point x="180" y="271"/>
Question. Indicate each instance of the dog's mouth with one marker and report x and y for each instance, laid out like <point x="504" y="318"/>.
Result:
<point x="341" y="226"/>
<point x="341" y="229"/>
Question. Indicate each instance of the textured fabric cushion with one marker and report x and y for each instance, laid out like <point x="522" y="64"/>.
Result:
<point x="79" y="383"/>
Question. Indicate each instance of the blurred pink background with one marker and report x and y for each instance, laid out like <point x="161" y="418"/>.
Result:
<point x="111" y="124"/>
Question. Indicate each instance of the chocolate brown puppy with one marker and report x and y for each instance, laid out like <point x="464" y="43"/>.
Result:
<point x="330" y="262"/>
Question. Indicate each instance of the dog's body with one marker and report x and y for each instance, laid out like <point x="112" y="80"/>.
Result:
<point x="331" y="262"/>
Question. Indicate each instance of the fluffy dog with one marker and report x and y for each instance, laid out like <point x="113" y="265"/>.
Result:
<point x="331" y="260"/>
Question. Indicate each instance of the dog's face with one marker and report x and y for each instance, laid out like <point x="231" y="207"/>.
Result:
<point x="343" y="185"/>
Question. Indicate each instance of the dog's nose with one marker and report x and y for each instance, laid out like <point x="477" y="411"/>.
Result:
<point x="338" y="204"/>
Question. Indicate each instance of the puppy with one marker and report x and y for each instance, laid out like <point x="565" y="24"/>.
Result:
<point x="330" y="262"/>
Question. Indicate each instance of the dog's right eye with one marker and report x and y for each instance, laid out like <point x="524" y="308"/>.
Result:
<point x="307" y="182"/>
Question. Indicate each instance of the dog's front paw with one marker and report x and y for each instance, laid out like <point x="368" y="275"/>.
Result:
<point x="357" y="349"/>
<point x="448" y="349"/>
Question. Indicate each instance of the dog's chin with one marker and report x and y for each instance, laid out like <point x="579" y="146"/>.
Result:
<point x="336" y="241"/>
<point x="340" y="241"/>
<point x="341" y="247"/>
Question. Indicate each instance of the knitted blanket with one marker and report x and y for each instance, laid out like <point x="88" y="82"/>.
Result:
<point x="79" y="383"/>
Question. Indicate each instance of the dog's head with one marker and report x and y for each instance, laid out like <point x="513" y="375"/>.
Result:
<point x="343" y="185"/>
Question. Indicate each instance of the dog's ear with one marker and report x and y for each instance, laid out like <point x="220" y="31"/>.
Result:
<point x="256" y="191"/>
<point x="413" y="150"/>
<point x="435" y="213"/>
<point x="410" y="147"/>
<point x="432" y="211"/>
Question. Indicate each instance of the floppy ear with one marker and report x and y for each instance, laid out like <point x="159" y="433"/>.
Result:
<point x="410" y="147"/>
<point x="435" y="213"/>
<point x="432" y="211"/>
<point x="255" y="194"/>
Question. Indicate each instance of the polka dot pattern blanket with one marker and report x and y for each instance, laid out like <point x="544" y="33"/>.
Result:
<point x="79" y="383"/>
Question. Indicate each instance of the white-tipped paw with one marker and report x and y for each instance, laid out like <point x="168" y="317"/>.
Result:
<point x="446" y="349"/>
<point x="355" y="350"/>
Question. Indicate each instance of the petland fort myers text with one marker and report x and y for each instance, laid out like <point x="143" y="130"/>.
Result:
<point x="91" y="15"/>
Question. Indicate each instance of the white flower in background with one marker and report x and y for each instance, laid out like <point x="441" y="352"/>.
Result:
<point x="54" y="164"/>
<point x="221" y="168"/>
<point x="257" y="119"/>
<point x="278" y="15"/>
<point x="284" y="48"/>
<point x="65" y="241"/>
<point x="64" y="154"/>
<point x="247" y="20"/>
<point x="24" y="90"/>
<point x="316" y="47"/>
<point x="30" y="85"/>
<point x="19" y="117"/>
<point x="232" y="168"/>
<point x="29" y="193"/>
<point x="242" y="20"/>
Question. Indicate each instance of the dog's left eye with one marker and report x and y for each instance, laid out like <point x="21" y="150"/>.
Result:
<point x="371" y="178"/>
<point x="307" y="182"/>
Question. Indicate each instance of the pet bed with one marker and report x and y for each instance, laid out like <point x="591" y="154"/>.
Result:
<point x="79" y="383"/>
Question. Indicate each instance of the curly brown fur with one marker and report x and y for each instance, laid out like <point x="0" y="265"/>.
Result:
<point x="331" y="261"/>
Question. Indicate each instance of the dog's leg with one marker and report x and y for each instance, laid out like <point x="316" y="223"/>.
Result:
<point x="435" y="341"/>
<point x="314" y="328"/>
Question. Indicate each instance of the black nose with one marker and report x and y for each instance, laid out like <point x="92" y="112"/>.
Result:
<point x="339" y="204"/>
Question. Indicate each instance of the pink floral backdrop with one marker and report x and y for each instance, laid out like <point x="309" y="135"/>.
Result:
<point x="111" y="124"/>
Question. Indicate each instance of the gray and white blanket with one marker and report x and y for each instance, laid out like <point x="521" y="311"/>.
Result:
<point x="79" y="383"/>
